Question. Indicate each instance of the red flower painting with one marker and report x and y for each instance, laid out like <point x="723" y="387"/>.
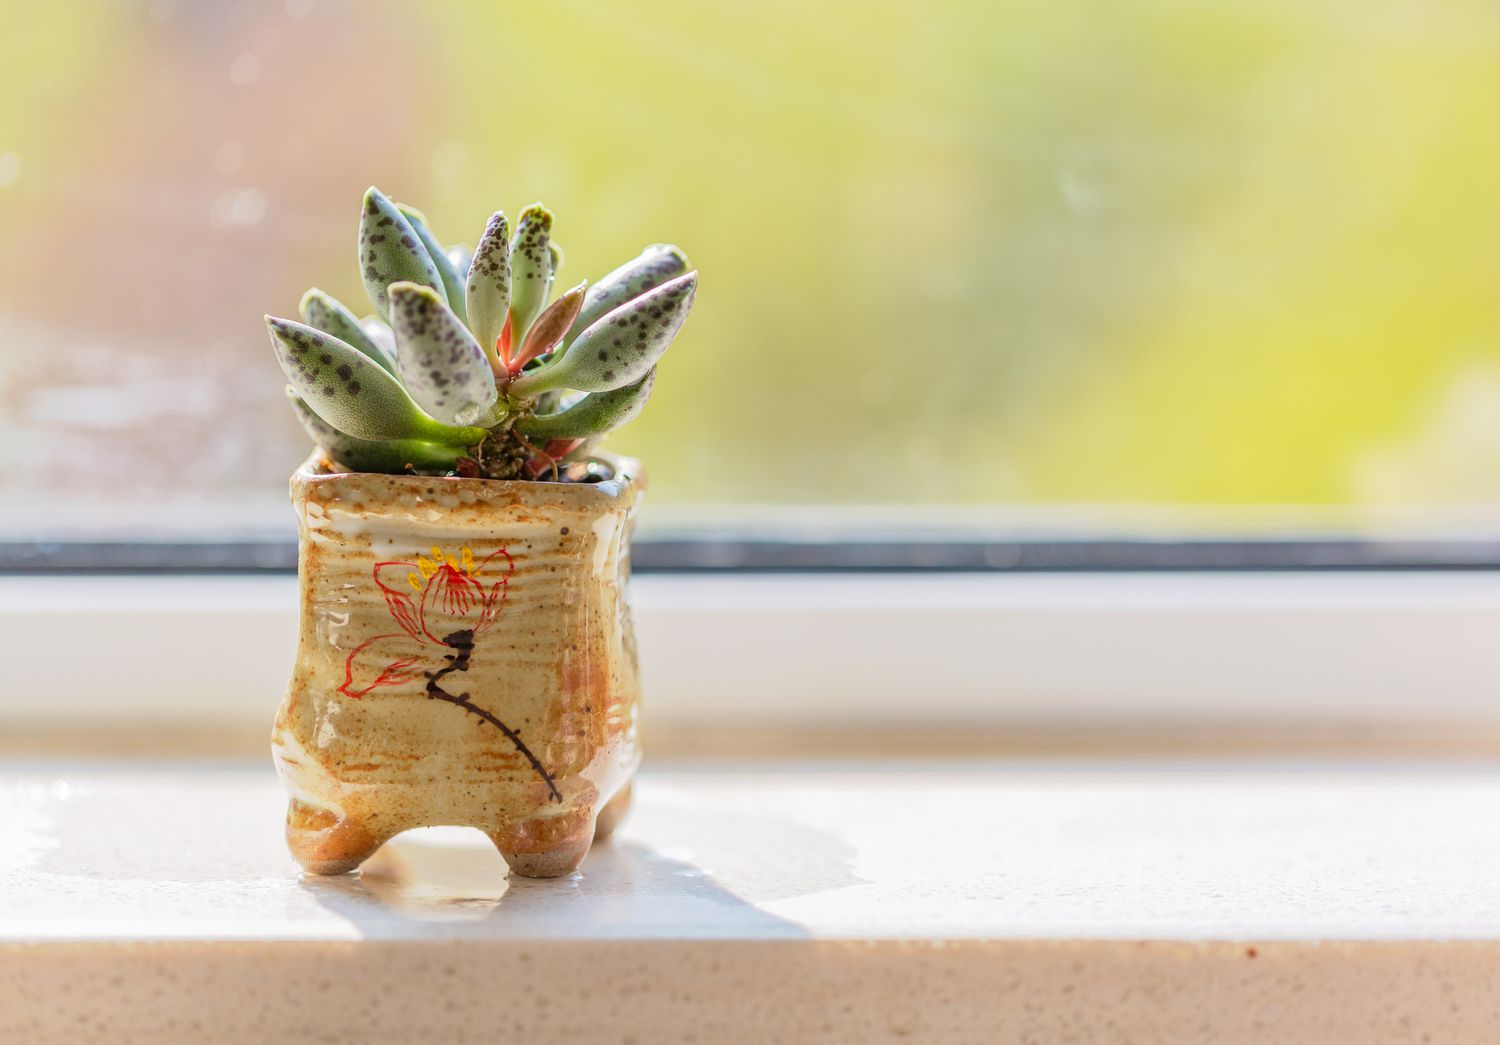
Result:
<point x="440" y="604"/>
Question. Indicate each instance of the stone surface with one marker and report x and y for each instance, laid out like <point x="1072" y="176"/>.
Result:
<point x="1056" y="901"/>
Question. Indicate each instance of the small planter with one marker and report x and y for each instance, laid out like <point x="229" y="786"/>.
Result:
<point x="466" y="658"/>
<point x="466" y="654"/>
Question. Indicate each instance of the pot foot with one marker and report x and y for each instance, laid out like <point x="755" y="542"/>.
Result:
<point x="324" y="842"/>
<point x="613" y="812"/>
<point x="546" y="847"/>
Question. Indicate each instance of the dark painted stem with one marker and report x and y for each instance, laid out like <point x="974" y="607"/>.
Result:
<point x="462" y="644"/>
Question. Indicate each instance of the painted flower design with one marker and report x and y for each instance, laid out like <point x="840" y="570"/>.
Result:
<point x="440" y="604"/>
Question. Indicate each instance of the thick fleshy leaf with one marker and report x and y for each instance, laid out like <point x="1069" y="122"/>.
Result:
<point x="453" y="282"/>
<point x="593" y="414"/>
<point x="351" y="392"/>
<point x="488" y="287"/>
<point x="531" y="270"/>
<point x="656" y="264"/>
<point x="391" y="456"/>
<point x="555" y="256"/>
<point x="390" y="251"/>
<point x="329" y="315"/>
<point x="551" y="458"/>
<point x="551" y="402"/>
<point x="379" y="331"/>
<point x="460" y="256"/>
<point x="438" y="358"/>
<point x="620" y="348"/>
<point x="549" y="327"/>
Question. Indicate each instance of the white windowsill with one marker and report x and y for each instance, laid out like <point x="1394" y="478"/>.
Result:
<point x="1181" y="902"/>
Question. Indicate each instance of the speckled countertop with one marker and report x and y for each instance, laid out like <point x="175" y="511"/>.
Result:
<point x="1026" y="901"/>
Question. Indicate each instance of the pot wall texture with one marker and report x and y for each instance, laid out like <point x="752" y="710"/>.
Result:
<point x="466" y="657"/>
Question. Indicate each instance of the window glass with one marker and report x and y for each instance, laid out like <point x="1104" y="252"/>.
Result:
<point x="1189" y="261"/>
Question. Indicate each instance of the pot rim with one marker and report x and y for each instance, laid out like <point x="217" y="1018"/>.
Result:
<point x="317" y="472"/>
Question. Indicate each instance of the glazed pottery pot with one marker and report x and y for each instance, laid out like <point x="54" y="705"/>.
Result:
<point x="466" y="658"/>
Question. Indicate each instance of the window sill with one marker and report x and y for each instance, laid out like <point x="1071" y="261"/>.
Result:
<point x="1185" y="900"/>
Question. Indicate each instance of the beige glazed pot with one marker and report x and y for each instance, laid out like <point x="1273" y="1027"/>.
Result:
<point x="466" y="658"/>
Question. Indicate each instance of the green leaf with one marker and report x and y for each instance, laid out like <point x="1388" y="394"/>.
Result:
<point x="327" y="314"/>
<point x="349" y="391"/>
<point x="379" y="331"/>
<point x="438" y="359"/>
<point x="453" y="283"/>
<point x="391" y="251"/>
<point x="392" y="456"/>
<point x="488" y="287"/>
<point x="459" y="256"/>
<point x="531" y="270"/>
<point x="622" y="346"/>
<point x="656" y="264"/>
<point x="593" y="414"/>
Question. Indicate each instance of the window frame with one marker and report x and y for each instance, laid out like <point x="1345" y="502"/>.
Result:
<point x="904" y="652"/>
<point x="713" y="553"/>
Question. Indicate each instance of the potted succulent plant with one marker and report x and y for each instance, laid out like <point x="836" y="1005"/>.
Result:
<point x="466" y="654"/>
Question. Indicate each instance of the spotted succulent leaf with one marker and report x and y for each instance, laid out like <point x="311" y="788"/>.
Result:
<point x="622" y="346"/>
<point x="531" y="269"/>
<point x="593" y="414"/>
<point x="329" y="315"/>
<point x="656" y="264"/>
<point x="438" y="359"/>
<point x="351" y="392"/>
<point x="453" y="282"/>
<point x="374" y="455"/>
<point x="468" y="360"/>
<point x="379" y="331"/>
<point x="549" y="327"/>
<point x="459" y="256"/>
<point x="487" y="287"/>
<point x="390" y="251"/>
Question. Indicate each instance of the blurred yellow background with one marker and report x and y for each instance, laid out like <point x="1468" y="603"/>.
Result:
<point x="1034" y="252"/>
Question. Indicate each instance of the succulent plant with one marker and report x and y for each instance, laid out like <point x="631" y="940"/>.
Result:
<point x="470" y="367"/>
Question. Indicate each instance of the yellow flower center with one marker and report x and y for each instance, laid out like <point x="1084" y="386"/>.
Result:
<point x="427" y="567"/>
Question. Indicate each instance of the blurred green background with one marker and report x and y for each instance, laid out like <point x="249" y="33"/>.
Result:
<point x="1152" y="252"/>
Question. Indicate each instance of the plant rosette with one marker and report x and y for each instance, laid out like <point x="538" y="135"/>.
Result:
<point x="465" y="654"/>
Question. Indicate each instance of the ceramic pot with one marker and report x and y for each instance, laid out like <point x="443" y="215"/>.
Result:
<point x="466" y="658"/>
